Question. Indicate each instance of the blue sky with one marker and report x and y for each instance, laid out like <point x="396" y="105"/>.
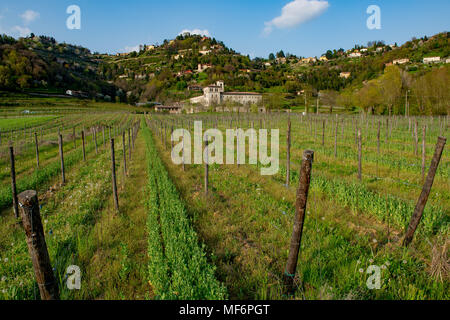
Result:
<point x="255" y="27"/>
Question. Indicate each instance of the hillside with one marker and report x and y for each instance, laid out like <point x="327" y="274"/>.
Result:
<point x="43" y="65"/>
<point x="177" y="69"/>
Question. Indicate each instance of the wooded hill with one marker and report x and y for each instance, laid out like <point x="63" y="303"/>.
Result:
<point x="164" y="73"/>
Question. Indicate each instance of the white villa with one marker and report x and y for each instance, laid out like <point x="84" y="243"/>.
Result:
<point x="431" y="60"/>
<point x="355" y="55"/>
<point x="216" y="95"/>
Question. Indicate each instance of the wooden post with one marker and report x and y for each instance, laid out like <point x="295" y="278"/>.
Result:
<point x="84" y="148"/>
<point x="74" y="138"/>
<point x="36" y="143"/>
<point x="171" y="134"/>
<point x="300" y="213"/>
<point x="359" y="154"/>
<point x="288" y="155"/>
<point x="182" y="146"/>
<point x="13" y="182"/>
<point x="378" y="137"/>
<point x="387" y="130"/>
<point x="129" y="144"/>
<point x="416" y="140"/>
<point x="206" y="166"/>
<point x="423" y="151"/>
<point x="95" y="140"/>
<point x="61" y="155"/>
<point x="37" y="247"/>
<point x="323" y="132"/>
<point x="113" y="171"/>
<point x="237" y="146"/>
<point x="124" y="155"/>
<point x="420" y="206"/>
<point x="164" y="137"/>
<point x="335" y="138"/>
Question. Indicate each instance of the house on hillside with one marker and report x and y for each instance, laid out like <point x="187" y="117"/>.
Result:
<point x="77" y="94"/>
<point x="345" y="75"/>
<point x="309" y="60"/>
<point x="195" y="87"/>
<point x="216" y="95"/>
<point x="355" y="55"/>
<point x="174" y="109"/>
<point x="400" y="61"/>
<point x="203" y="67"/>
<point x="431" y="60"/>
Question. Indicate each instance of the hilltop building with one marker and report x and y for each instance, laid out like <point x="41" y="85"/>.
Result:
<point x="216" y="95"/>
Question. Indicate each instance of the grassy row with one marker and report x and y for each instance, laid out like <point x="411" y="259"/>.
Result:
<point x="68" y="220"/>
<point x="247" y="222"/>
<point x="178" y="267"/>
<point x="43" y="175"/>
<point x="387" y="208"/>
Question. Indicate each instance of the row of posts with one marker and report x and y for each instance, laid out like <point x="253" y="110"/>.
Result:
<point x="26" y="208"/>
<point x="304" y="185"/>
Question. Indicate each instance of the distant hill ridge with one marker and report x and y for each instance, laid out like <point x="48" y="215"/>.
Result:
<point x="166" y="72"/>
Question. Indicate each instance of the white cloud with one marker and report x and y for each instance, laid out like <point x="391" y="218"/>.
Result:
<point x="295" y="13"/>
<point x="29" y="16"/>
<point x="131" y="49"/>
<point x="21" y="31"/>
<point x="196" y="31"/>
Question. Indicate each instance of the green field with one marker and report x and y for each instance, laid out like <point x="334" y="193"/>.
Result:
<point x="23" y="122"/>
<point x="171" y="241"/>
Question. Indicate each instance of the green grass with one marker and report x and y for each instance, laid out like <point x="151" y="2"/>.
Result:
<point x="178" y="268"/>
<point x="69" y="215"/>
<point x="23" y="122"/>
<point x="246" y="221"/>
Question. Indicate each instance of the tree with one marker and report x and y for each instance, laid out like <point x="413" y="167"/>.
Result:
<point x="181" y="85"/>
<point x="390" y="86"/>
<point x="329" y="98"/>
<point x="271" y="56"/>
<point x="369" y="97"/>
<point x="281" y="54"/>
<point x="346" y="99"/>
